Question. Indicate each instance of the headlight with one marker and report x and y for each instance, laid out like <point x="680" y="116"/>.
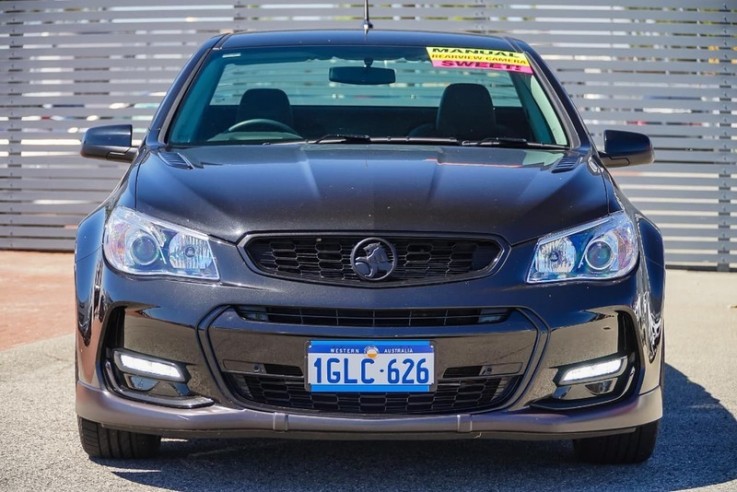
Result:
<point x="141" y="245"/>
<point x="604" y="249"/>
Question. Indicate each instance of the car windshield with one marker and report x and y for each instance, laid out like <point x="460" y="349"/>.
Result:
<point x="367" y="94"/>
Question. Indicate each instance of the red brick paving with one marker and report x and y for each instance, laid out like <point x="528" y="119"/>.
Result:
<point x="36" y="296"/>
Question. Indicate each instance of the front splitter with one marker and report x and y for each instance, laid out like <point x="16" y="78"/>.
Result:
<point x="116" y="412"/>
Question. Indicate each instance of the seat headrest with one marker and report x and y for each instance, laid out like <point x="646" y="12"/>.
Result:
<point x="466" y="112"/>
<point x="272" y="104"/>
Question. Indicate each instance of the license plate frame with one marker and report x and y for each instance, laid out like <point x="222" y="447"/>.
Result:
<point x="413" y="369"/>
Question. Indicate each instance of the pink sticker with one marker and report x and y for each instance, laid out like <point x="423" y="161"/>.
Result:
<point x="480" y="65"/>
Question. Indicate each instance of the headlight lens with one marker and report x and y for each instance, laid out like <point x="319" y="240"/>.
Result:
<point x="141" y="245"/>
<point x="604" y="249"/>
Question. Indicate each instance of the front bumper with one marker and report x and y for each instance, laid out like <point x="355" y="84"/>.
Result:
<point x="197" y="324"/>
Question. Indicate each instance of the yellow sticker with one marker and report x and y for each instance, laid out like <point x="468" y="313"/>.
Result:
<point x="478" y="59"/>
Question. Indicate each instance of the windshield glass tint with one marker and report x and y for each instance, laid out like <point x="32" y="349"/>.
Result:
<point x="296" y="93"/>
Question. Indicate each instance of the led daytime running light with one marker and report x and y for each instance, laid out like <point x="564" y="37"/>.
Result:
<point x="142" y="366"/>
<point x="593" y="371"/>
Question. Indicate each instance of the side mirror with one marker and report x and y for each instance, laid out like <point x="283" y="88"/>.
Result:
<point x="113" y="142"/>
<point x="626" y="149"/>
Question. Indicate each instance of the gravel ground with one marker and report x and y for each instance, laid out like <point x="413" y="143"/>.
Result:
<point x="697" y="447"/>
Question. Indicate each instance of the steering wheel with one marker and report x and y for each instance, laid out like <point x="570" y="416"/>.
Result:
<point x="278" y="125"/>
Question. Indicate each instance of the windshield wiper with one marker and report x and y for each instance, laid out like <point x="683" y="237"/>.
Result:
<point x="420" y="140"/>
<point x="359" y="138"/>
<point x="331" y="138"/>
<point x="512" y="142"/>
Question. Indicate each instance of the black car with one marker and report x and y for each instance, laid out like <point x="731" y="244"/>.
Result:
<point x="368" y="235"/>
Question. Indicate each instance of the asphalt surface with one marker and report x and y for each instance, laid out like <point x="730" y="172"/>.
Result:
<point x="697" y="447"/>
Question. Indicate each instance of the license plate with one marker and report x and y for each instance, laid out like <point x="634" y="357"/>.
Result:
<point x="370" y="366"/>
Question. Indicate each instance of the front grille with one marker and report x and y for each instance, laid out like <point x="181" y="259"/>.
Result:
<point x="453" y="394"/>
<point x="327" y="258"/>
<point x="372" y="318"/>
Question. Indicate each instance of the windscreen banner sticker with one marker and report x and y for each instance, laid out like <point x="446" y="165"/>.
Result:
<point x="478" y="59"/>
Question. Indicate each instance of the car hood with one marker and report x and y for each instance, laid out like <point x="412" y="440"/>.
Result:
<point x="226" y="192"/>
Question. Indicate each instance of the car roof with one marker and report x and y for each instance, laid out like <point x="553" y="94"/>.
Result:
<point x="318" y="37"/>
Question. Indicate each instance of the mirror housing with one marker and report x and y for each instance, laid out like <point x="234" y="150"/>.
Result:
<point x="626" y="149"/>
<point x="362" y="75"/>
<point x="112" y="142"/>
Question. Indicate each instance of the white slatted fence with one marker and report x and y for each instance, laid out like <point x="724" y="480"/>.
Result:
<point x="666" y="68"/>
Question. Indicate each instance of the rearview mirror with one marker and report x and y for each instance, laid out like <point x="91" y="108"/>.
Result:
<point x="626" y="149"/>
<point x="112" y="142"/>
<point x="362" y="75"/>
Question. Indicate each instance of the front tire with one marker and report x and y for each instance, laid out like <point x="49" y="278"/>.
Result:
<point x="633" y="447"/>
<point x="99" y="442"/>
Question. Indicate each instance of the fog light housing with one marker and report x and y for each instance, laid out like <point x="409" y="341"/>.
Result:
<point x="255" y="313"/>
<point x="152" y="380"/>
<point x="143" y="365"/>
<point x="601" y="387"/>
<point x="593" y="371"/>
<point x="141" y="383"/>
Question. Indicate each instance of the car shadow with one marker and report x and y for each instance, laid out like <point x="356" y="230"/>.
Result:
<point x="697" y="446"/>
